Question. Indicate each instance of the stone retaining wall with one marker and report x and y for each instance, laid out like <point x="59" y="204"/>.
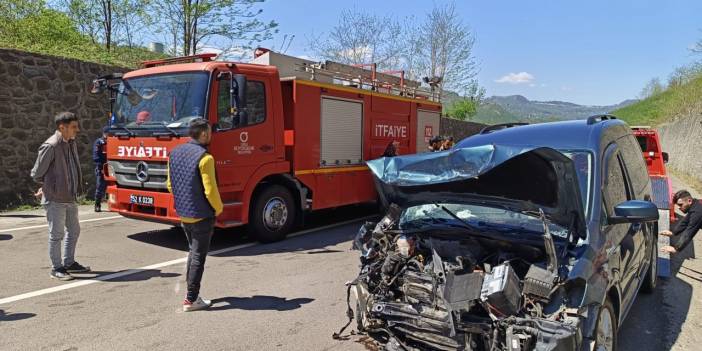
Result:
<point x="682" y="140"/>
<point x="34" y="88"/>
<point x="459" y="129"/>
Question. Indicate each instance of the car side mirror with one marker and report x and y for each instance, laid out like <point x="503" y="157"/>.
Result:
<point x="665" y="157"/>
<point x="634" y="211"/>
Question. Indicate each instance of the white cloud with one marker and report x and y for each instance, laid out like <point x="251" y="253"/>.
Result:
<point x="516" y="78"/>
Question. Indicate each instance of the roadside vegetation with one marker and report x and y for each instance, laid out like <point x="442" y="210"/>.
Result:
<point x="33" y="27"/>
<point x="116" y="32"/>
<point x="681" y="96"/>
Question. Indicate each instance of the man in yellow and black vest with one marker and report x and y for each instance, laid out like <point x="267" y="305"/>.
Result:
<point x="192" y="180"/>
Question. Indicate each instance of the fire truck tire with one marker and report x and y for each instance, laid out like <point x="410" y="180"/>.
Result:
<point x="273" y="214"/>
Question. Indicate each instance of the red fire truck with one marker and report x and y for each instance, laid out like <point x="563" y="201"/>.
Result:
<point x="655" y="162"/>
<point x="290" y="135"/>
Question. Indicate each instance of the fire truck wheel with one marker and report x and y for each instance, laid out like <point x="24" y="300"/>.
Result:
<point x="273" y="214"/>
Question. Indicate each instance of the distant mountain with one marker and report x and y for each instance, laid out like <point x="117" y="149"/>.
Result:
<point x="502" y="109"/>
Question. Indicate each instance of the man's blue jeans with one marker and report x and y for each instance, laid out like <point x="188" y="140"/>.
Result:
<point x="63" y="222"/>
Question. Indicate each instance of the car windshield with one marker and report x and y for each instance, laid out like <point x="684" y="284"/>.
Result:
<point x="160" y="101"/>
<point x="481" y="217"/>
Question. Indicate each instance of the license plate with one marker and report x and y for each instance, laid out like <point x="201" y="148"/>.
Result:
<point x="141" y="200"/>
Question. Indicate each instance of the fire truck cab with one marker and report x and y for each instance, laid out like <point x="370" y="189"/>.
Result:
<point x="289" y="135"/>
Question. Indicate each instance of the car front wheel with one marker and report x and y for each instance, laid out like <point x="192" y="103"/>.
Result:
<point x="651" y="279"/>
<point x="606" y="331"/>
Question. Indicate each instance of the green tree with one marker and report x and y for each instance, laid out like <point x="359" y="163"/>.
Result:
<point x="361" y="37"/>
<point x="229" y="24"/>
<point x="467" y="106"/>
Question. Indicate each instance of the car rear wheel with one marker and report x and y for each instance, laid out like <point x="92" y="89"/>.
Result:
<point x="651" y="279"/>
<point x="606" y="331"/>
<point x="272" y="214"/>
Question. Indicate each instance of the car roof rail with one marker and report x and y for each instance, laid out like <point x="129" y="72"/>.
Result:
<point x="495" y="127"/>
<point x="600" y="118"/>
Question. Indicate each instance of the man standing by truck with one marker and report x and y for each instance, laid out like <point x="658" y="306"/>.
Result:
<point x="686" y="228"/>
<point x="57" y="169"/>
<point x="192" y="180"/>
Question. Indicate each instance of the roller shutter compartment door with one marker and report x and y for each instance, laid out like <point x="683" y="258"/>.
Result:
<point x="427" y="127"/>
<point x="342" y="133"/>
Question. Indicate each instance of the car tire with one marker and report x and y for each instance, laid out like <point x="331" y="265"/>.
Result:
<point x="606" y="329"/>
<point x="651" y="279"/>
<point x="272" y="214"/>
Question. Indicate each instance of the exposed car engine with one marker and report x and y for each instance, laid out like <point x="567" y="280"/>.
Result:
<point x="430" y="290"/>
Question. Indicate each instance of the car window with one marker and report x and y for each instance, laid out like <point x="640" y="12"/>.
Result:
<point x="615" y="188"/>
<point x="634" y="162"/>
<point x="642" y="142"/>
<point x="255" y="104"/>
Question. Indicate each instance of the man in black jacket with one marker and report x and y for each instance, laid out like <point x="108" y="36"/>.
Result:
<point x="686" y="228"/>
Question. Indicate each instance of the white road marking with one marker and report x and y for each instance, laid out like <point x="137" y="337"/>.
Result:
<point x="157" y="265"/>
<point x="46" y="225"/>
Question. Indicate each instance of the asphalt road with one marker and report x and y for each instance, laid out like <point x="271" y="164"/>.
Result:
<point x="283" y="296"/>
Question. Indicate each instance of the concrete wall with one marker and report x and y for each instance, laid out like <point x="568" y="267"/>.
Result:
<point x="459" y="129"/>
<point x="34" y="88"/>
<point x="682" y="140"/>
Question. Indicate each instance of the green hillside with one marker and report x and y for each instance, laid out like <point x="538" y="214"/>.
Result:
<point x="491" y="113"/>
<point x="659" y="108"/>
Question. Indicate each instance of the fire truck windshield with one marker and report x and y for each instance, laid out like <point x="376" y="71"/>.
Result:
<point x="164" y="101"/>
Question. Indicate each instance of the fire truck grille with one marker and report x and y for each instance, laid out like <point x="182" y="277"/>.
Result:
<point x="140" y="174"/>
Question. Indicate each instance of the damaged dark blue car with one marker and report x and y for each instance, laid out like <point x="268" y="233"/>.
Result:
<point x="533" y="237"/>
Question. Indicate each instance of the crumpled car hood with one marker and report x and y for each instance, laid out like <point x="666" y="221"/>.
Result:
<point x="519" y="178"/>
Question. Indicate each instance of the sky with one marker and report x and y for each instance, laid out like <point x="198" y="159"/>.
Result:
<point x="593" y="52"/>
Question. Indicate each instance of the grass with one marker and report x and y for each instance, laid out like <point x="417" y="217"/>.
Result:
<point x="666" y="106"/>
<point x="119" y="55"/>
<point x="22" y="208"/>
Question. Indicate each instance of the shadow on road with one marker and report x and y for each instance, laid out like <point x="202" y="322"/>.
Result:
<point x="10" y="317"/>
<point x="174" y="238"/>
<point x="258" y="303"/>
<point x="140" y="276"/>
<point x="5" y="237"/>
<point x="655" y="320"/>
<point x="22" y="215"/>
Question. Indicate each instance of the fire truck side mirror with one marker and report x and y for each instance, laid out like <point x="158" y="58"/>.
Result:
<point x="241" y="83"/>
<point x="665" y="157"/>
<point x="98" y="86"/>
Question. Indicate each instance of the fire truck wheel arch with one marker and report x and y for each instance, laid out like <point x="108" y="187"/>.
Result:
<point x="258" y="180"/>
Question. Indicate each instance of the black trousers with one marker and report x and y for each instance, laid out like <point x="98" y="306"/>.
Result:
<point x="100" y="184"/>
<point x="199" y="235"/>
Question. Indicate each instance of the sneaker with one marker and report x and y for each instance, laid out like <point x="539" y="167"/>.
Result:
<point x="77" y="268"/>
<point x="61" y="274"/>
<point x="199" y="304"/>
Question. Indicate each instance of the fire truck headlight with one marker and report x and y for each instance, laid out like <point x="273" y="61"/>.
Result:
<point x="110" y="171"/>
<point x="112" y="198"/>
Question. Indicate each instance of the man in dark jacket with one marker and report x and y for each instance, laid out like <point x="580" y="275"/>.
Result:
<point x="57" y="169"/>
<point x="99" y="158"/>
<point x="192" y="180"/>
<point x="686" y="228"/>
